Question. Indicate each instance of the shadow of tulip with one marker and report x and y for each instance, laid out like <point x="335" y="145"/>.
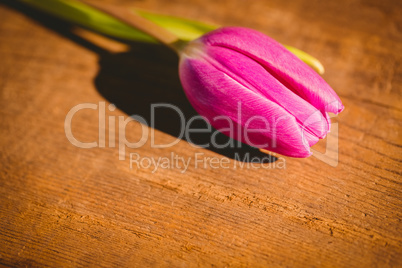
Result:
<point x="146" y="75"/>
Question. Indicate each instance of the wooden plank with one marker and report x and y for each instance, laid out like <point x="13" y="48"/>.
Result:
<point x="61" y="205"/>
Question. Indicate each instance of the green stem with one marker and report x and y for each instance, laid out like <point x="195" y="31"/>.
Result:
<point x="182" y="29"/>
<point x="132" y="19"/>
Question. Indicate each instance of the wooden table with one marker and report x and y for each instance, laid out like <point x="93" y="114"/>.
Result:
<point x="62" y="205"/>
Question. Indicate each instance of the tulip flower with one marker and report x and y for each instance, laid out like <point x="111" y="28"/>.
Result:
<point x="283" y="101"/>
<point x="244" y="83"/>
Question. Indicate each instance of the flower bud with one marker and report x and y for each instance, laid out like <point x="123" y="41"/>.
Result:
<point x="241" y="79"/>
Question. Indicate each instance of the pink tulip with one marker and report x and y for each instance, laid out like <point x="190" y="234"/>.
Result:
<point x="283" y="102"/>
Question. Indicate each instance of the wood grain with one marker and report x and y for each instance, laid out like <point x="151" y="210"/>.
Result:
<point x="61" y="205"/>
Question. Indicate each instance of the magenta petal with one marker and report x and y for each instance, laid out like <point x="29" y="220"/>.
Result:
<point x="214" y="94"/>
<point x="255" y="77"/>
<point x="328" y="120"/>
<point x="311" y="139"/>
<point x="285" y="66"/>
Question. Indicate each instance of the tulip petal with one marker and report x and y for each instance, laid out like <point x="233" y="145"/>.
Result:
<point x="255" y="77"/>
<point x="214" y="94"/>
<point x="311" y="139"/>
<point x="283" y="64"/>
